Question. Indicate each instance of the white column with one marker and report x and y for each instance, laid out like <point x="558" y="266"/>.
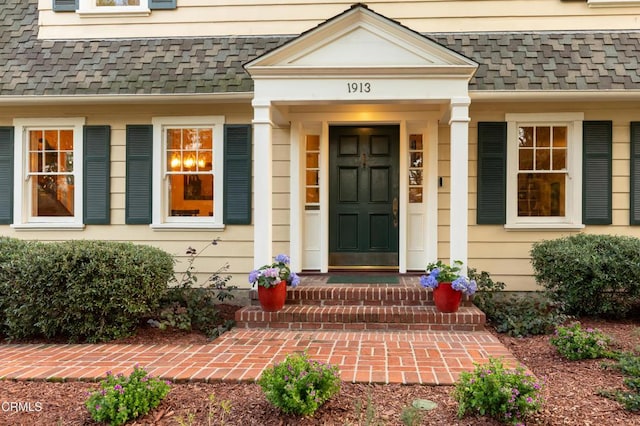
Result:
<point x="459" y="164"/>
<point x="262" y="183"/>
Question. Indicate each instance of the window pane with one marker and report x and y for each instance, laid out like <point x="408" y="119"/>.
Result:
<point x="559" y="137"/>
<point x="174" y="161"/>
<point x="543" y="136"/>
<point x="415" y="195"/>
<point x="416" y="159"/>
<point x="52" y="195"/>
<point x="541" y="194"/>
<point x="174" y="139"/>
<point x="543" y="159"/>
<point x="190" y="195"/>
<point x="313" y="143"/>
<point x="415" y="142"/>
<point x="560" y="159"/>
<point x="66" y="140"/>
<point x="525" y="137"/>
<point x="312" y="177"/>
<point x="312" y="161"/>
<point x="313" y="195"/>
<point x="118" y="2"/>
<point x="525" y="162"/>
<point x="51" y="140"/>
<point x="415" y="177"/>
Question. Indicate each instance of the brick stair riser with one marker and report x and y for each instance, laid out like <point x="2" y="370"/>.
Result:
<point x="358" y="297"/>
<point x="312" y="326"/>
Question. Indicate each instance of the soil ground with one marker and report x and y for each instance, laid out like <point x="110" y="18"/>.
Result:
<point x="571" y="393"/>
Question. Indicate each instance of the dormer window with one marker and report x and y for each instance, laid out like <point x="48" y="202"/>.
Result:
<point x="113" y="6"/>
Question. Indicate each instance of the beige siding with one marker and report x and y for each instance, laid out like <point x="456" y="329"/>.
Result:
<point x="265" y="17"/>
<point x="505" y="253"/>
<point x="236" y="247"/>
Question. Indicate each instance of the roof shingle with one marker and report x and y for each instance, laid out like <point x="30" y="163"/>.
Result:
<point x="507" y="61"/>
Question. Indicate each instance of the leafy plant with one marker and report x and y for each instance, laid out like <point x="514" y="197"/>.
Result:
<point x="515" y="315"/>
<point x="411" y="416"/>
<point x="122" y="398"/>
<point x="629" y="365"/>
<point x="270" y="275"/>
<point x="593" y="275"/>
<point x="188" y="306"/>
<point x="438" y="272"/>
<point x="575" y="343"/>
<point x="508" y="395"/>
<point x="299" y="385"/>
<point x="368" y="415"/>
<point x="80" y="290"/>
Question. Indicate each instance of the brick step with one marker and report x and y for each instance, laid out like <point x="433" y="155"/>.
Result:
<point x="337" y="317"/>
<point x="358" y="295"/>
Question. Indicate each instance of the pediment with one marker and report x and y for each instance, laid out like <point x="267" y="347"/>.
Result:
<point x="360" y="40"/>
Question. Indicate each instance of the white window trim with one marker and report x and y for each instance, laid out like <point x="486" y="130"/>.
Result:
<point x="160" y="220"/>
<point x="21" y="217"/>
<point x="89" y="8"/>
<point x="613" y="3"/>
<point x="573" y="216"/>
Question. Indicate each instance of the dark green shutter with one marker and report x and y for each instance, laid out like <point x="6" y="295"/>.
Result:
<point x="96" y="188"/>
<point x="6" y="175"/>
<point x="634" y="208"/>
<point x="65" y="5"/>
<point x="237" y="174"/>
<point x="139" y="169"/>
<point x="162" y="4"/>
<point x="596" y="172"/>
<point x="492" y="173"/>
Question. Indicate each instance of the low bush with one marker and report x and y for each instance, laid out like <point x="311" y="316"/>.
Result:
<point x="595" y="275"/>
<point x="81" y="290"/>
<point x="516" y="315"/>
<point x="122" y="398"/>
<point x="508" y="395"/>
<point x="299" y="385"/>
<point x="575" y="343"/>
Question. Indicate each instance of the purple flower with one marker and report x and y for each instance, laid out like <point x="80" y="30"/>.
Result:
<point x="283" y="258"/>
<point x="294" y="279"/>
<point x="429" y="281"/>
<point x="271" y="272"/>
<point x="253" y="276"/>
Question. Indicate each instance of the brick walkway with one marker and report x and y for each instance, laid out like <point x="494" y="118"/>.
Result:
<point x="241" y="355"/>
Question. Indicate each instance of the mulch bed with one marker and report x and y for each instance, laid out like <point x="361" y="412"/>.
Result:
<point x="570" y="390"/>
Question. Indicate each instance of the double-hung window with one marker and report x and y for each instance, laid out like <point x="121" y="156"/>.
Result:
<point x="544" y="184"/>
<point x="113" y="6"/>
<point x="188" y="179"/>
<point x="48" y="173"/>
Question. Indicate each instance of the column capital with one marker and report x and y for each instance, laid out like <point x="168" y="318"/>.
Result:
<point x="459" y="110"/>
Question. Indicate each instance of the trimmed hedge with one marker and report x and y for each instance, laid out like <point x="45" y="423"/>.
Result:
<point x="590" y="275"/>
<point x="80" y="290"/>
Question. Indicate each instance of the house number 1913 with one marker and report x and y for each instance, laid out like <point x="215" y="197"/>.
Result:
<point x="359" y="87"/>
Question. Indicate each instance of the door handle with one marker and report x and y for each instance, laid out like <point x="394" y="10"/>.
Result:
<point x="395" y="212"/>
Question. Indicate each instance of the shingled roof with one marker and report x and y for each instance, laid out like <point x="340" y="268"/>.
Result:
<point x="508" y="61"/>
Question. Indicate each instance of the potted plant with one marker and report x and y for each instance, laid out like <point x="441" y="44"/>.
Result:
<point x="448" y="285"/>
<point x="272" y="281"/>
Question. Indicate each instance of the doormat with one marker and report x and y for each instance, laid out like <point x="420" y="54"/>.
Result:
<point x="362" y="279"/>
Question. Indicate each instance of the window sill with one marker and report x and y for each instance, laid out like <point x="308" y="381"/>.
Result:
<point x="48" y="226"/>
<point x="543" y="226"/>
<point x="187" y="226"/>
<point x="613" y="3"/>
<point x="118" y="13"/>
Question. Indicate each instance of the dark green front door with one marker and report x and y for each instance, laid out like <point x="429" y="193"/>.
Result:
<point x="363" y="196"/>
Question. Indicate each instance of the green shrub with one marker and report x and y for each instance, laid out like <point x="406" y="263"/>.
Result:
<point x="508" y="395"/>
<point x="83" y="290"/>
<point x="189" y="307"/>
<point x="590" y="274"/>
<point x="574" y="343"/>
<point x="10" y="249"/>
<point x="299" y="385"/>
<point x="629" y="365"/>
<point x="516" y="315"/>
<point x="121" y="398"/>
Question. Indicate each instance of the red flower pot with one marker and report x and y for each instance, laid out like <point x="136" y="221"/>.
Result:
<point x="446" y="298"/>
<point x="272" y="298"/>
